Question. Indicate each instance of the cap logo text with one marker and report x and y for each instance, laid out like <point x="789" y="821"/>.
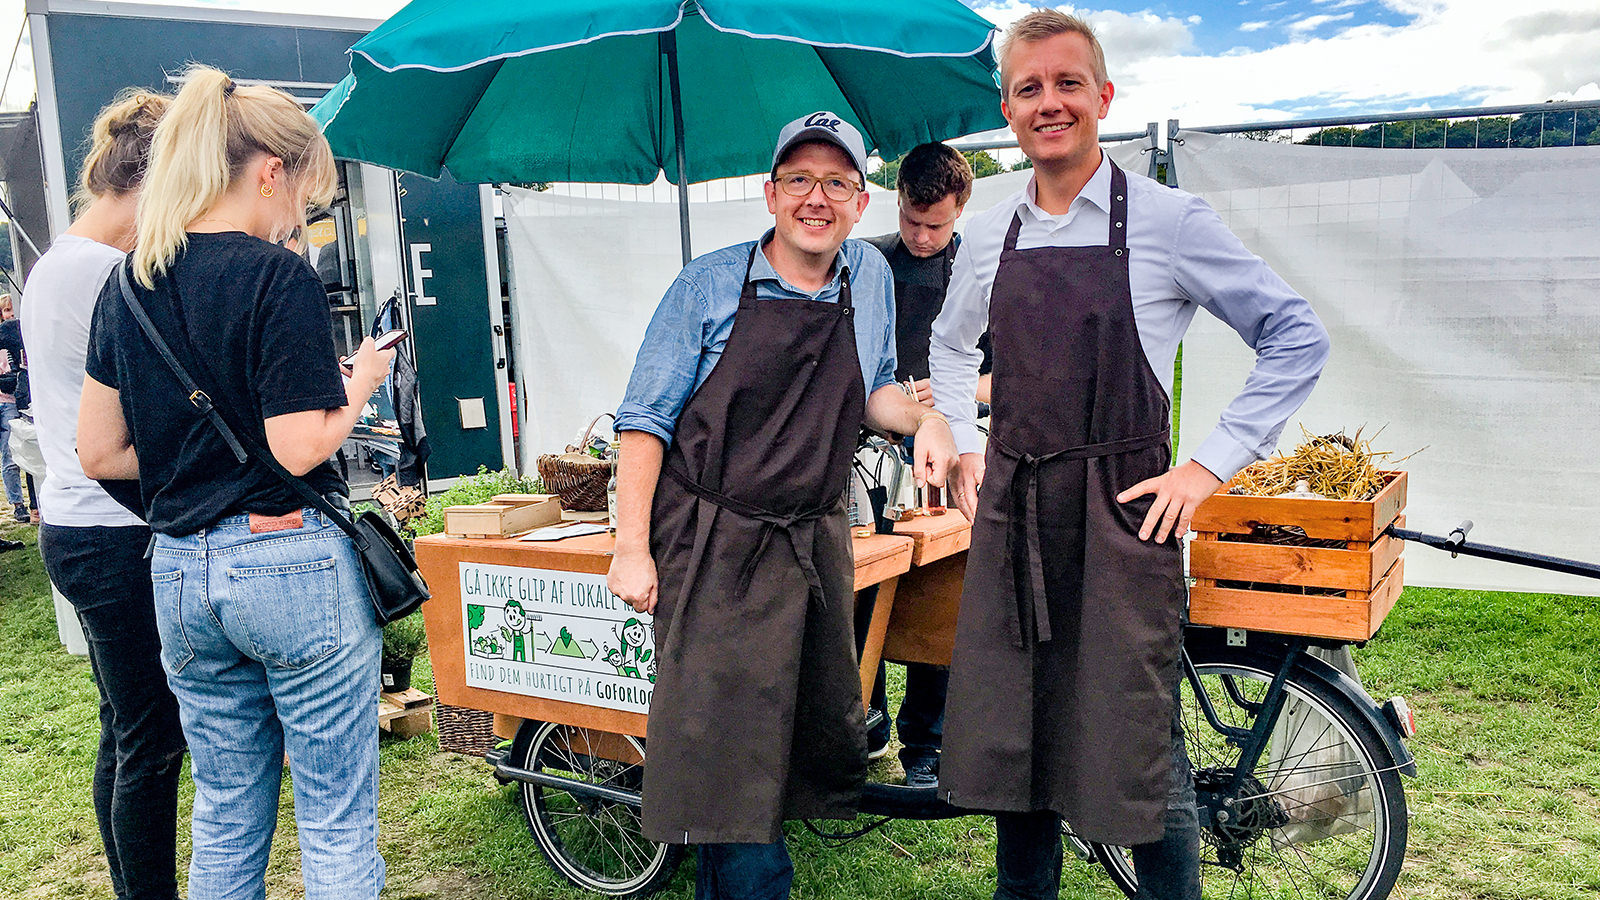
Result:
<point x="822" y="120"/>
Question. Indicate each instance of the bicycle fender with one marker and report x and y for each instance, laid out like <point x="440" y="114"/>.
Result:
<point x="1313" y="668"/>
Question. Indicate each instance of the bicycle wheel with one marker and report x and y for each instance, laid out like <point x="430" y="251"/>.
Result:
<point x="595" y="843"/>
<point x="1321" y="816"/>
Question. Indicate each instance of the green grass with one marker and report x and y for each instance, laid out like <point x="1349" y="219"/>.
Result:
<point x="1506" y="803"/>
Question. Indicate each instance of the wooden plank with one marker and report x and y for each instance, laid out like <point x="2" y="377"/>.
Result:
<point x="880" y="557"/>
<point x="872" y="648"/>
<point x="936" y="536"/>
<point x="1386" y="595"/>
<point x="922" y="627"/>
<point x="1316" y="616"/>
<point x="1342" y="520"/>
<point x="1322" y="567"/>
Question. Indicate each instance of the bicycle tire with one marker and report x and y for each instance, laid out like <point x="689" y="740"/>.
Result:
<point x="1295" y="848"/>
<point x="596" y="844"/>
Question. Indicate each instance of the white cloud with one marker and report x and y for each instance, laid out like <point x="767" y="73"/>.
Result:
<point x="1253" y="26"/>
<point x="1312" y="23"/>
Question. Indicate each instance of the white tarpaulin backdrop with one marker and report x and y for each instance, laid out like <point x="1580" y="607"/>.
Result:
<point x="1462" y="291"/>
<point x="588" y="271"/>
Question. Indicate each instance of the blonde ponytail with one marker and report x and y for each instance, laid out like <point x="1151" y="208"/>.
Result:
<point x="210" y="133"/>
<point x="119" y="145"/>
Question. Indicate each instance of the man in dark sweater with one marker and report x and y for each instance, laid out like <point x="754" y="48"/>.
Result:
<point x="934" y="184"/>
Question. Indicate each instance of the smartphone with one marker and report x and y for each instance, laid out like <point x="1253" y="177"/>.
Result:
<point x="382" y="342"/>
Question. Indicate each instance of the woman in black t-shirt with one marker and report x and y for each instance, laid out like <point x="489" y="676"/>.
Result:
<point x="267" y="633"/>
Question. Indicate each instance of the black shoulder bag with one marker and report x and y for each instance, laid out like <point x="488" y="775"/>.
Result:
<point x="397" y="586"/>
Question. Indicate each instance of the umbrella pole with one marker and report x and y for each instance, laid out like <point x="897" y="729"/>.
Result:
<point x="669" y="48"/>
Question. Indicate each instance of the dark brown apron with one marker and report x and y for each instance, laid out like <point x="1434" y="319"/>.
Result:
<point x="1067" y="644"/>
<point x="756" y="716"/>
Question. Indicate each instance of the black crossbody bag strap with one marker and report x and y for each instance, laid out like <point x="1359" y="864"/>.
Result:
<point x="244" y="449"/>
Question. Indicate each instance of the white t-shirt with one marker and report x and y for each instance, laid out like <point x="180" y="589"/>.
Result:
<point x="56" y="309"/>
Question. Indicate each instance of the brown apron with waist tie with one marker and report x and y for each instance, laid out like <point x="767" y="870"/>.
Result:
<point x="1067" y="644"/>
<point x="756" y="716"/>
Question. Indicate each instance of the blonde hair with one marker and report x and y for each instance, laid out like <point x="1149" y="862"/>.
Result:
<point x="1042" y="24"/>
<point x="209" y="135"/>
<point x="119" y="145"/>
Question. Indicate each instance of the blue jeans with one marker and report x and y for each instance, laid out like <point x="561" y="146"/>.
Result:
<point x="743" y="872"/>
<point x="1028" y="851"/>
<point x="270" y="644"/>
<point x="9" y="472"/>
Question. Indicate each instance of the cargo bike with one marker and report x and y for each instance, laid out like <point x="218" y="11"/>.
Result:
<point x="1297" y="769"/>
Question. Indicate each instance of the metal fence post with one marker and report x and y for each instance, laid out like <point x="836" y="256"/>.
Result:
<point x="1172" y="157"/>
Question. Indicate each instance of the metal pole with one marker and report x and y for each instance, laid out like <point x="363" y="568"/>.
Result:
<point x="669" y="49"/>
<point x="18" y="226"/>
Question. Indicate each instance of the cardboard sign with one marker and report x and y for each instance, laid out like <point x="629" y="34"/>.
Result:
<point x="556" y="635"/>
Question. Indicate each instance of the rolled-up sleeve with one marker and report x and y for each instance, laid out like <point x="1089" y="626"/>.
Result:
<point x="1213" y="268"/>
<point x="953" y="354"/>
<point x="669" y="359"/>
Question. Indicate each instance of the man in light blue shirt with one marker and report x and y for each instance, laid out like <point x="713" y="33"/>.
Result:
<point x="738" y="431"/>
<point x="1074" y="599"/>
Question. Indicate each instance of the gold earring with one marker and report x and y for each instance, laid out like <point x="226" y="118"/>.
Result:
<point x="266" y="189"/>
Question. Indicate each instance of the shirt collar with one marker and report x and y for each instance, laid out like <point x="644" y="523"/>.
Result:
<point x="761" y="268"/>
<point x="1096" y="192"/>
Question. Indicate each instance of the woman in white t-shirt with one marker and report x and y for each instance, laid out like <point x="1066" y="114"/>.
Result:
<point x="93" y="546"/>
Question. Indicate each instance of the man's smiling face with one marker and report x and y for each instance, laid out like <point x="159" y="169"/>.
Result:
<point x="1053" y="102"/>
<point x="814" y="225"/>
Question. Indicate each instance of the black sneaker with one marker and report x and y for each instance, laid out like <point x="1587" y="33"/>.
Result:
<point x="20" y="513"/>
<point x="923" y="774"/>
<point x="6" y="545"/>
<point x="877" y="734"/>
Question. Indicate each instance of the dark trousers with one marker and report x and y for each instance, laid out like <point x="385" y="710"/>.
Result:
<point x="743" y="872"/>
<point x="1028" y="853"/>
<point x="104" y="574"/>
<point x="920" y="722"/>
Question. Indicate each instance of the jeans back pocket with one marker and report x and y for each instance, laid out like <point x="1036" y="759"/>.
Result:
<point x="289" y="613"/>
<point x="175" y="648"/>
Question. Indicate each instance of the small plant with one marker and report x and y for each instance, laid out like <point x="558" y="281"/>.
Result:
<point x="404" y="638"/>
<point x="479" y="488"/>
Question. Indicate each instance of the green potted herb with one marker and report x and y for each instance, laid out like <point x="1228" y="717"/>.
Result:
<point x="403" y="639"/>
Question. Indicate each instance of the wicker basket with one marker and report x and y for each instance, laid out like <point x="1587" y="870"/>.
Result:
<point x="579" y="479"/>
<point x="469" y="731"/>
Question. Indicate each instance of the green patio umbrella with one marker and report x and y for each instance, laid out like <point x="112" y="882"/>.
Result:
<point x="621" y="90"/>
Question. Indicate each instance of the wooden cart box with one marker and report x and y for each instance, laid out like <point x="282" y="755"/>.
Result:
<point x="446" y="561"/>
<point x="1339" y="583"/>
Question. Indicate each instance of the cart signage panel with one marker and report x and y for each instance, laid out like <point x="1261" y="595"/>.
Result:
<point x="556" y="635"/>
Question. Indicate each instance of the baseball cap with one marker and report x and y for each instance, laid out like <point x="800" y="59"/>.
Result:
<point x="823" y="126"/>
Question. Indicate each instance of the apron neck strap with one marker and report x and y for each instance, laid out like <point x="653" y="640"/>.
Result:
<point x="748" y="290"/>
<point x="1117" y="228"/>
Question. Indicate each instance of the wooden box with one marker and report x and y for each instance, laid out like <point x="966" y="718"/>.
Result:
<point x="505" y="515"/>
<point x="1338" y="581"/>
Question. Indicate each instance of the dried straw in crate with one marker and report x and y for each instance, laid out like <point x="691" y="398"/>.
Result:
<point x="1333" y="466"/>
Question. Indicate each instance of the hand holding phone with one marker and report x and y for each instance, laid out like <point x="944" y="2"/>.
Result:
<point x="382" y="342"/>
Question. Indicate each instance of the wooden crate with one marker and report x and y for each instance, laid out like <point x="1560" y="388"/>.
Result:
<point x="406" y="713"/>
<point x="504" y="515"/>
<point x="1341" y="589"/>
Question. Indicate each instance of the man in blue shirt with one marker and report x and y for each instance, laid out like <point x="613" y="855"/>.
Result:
<point x="738" y="428"/>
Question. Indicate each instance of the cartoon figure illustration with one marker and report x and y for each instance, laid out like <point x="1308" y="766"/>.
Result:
<point x="632" y="654"/>
<point x="517" y="625"/>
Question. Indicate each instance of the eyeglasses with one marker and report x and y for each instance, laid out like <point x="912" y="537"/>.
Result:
<point x="836" y="189"/>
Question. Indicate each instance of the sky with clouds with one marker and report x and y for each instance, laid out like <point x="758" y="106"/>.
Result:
<point x="1209" y="62"/>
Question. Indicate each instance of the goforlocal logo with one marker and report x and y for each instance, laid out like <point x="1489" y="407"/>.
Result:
<point x="822" y="120"/>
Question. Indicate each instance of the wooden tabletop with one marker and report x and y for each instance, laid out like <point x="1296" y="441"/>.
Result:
<point x="878" y="556"/>
<point x="936" y="537"/>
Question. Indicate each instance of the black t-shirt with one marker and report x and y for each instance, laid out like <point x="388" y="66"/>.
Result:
<point x="919" y="288"/>
<point x="11" y="345"/>
<point x="249" y="320"/>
